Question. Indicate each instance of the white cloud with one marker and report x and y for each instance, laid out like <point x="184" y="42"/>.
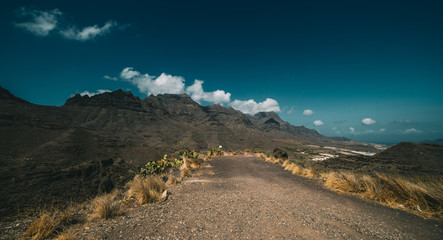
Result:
<point x="110" y="78"/>
<point x="252" y="107"/>
<point x="308" y="112"/>
<point x="87" y="33"/>
<point x="412" y="130"/>
<point x="382" y="129"/>
<point x="128" y="73"/>
<point x="99" y="91"/>
<point x="352" y="130"/>
<point x="197" y="93"/>
<point x="318" y="122"/>
<point x="39" y="22"/>
<point x="368" y="121"/>
<point x="166" y="83"/>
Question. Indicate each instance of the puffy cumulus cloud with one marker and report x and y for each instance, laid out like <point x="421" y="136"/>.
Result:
<point x="308" y="112"/>
<point x="318" y="122"/>
<point x="87" y="33"/>
<point x="147" y="84"/>
<point x="412" y="130"/>
<point x="166" y="83"/>
<point x="252" y="107"/>
<point x="99" y="91"/>
<point x="368" y="121"/>
<point x="38" y="22"/>
<point x="197" y="93"/>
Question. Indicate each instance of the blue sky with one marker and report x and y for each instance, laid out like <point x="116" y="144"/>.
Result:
<point x="346" y="61"/>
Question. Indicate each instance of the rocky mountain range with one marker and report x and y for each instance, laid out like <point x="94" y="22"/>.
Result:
<point x="92" y="144"/>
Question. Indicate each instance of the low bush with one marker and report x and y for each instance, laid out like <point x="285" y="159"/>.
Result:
<point x="157" y="167"/>
<point x="214" y="152"/>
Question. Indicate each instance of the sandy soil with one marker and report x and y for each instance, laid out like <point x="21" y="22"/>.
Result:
<point x="248" y="198"/>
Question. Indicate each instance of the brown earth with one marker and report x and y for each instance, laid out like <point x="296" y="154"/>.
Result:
<point x="248" y="198"/>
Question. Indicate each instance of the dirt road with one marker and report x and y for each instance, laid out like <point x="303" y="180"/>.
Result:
<point x="248" y="198"/>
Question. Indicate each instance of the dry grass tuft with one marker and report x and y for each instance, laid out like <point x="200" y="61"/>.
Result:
<point x="190" y="164"/>
<point x="342" y="182"/>
<point x="41" y="228"/>
<point x="146" y="190"/>
<point x="310" y="173"/>
<point x="105" y="207"/>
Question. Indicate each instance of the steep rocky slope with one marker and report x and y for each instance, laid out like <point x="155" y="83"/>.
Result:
<point x="92" y="144"/>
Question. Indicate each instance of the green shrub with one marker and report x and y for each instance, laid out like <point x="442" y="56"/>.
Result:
<point x="215" y="152"/>
<point x="156" y="167"/>
<point x="189" y="154"/>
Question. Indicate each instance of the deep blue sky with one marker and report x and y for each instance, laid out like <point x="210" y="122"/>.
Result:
<point x="344" y="60"/>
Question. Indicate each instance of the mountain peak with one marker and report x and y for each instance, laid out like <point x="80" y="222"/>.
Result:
<point x="117" y="98"/>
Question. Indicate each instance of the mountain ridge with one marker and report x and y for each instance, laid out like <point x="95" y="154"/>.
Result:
<point x="90" y="145"/>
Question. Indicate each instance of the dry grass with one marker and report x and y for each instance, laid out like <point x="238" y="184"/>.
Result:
<point x="146" y="190"/>
<point x="194" y="163"/>
<point x="141" y="190"/>
<point x="105" y="207"/>
<point x="190" y="164"/>
<point x="270" y="159"/>
<point x="41" y="228"/>
<point x="425" y="198"/>
<point x="298" y="170"/>
<point x="54" y="221"/>
<point x="420" y="195"/>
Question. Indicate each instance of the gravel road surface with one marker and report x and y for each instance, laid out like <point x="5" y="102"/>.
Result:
<point x="248" y="198"/>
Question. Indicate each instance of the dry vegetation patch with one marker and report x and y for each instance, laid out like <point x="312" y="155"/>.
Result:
<point x="146" y="190"/>
<point x="421" y="195"/>
<point x="41" y="228"/>
<point x="105" y="207"/>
